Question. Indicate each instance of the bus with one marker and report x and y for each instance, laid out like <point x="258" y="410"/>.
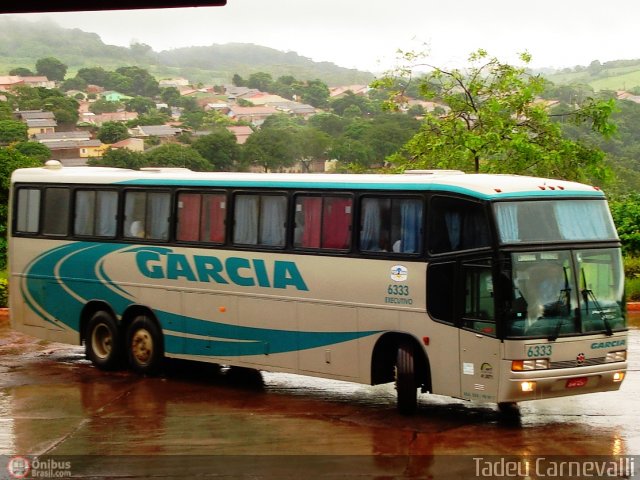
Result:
<point x="488" y="288"/>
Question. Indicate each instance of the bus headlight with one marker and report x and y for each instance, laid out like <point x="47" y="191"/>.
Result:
<point x="618" y="377"/>
<point x="527" y="386"/>
<point x="619" y="356"/>
<point x="527" y="365"/>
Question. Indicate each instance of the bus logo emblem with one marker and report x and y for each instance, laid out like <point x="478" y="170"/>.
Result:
<point x="580" y="359"/>
<point x="399" y="273"/>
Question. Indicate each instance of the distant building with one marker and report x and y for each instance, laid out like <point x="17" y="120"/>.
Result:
<point x="160" y="131"/>
<point x="39" y="81"/>
<point x="7" y="82"/>
<point x="241" y="132"/>
<point x="40" y="125"/>
<point x="133" y="144"/>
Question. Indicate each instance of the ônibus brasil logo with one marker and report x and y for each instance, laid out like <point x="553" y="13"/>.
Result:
<point x="19" y="467"/>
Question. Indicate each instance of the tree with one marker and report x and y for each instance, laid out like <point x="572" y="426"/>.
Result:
<point x="36" y="150"/>
<point x="238" y="81"/>
<point x="140" y="105"/>
<point x="174" y="155"/>
<point x="12" y="131"/>
<point x="21" y="72"/>
<point x="119" y="158"/>
<point x="112" y="132"/>
<point x="52" y="68"/>
<point x="495" y="123"/>
<point x="75" y="83"/>
<point x="260" y="80"/>
<point x="10" y="160"/>
<point x="142" y="83"/>
<point x="270" y="148"/>
<point x="220" y="149"/>
<point x="170" y="96"/>
<point x="315" y="93"/>
<point x="104" y="106"/>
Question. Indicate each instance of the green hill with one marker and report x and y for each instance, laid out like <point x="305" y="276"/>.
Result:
<point x="22" y="43"/>
<point x="614" y="75"/>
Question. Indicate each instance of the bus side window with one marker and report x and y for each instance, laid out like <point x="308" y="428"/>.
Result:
<point x="260" y="220"/>
<point x="457" y="224"/>
<point x="201" y="217"/>
<point x="28" y="210"/>
<point x="96" y="213"/>
<point x="323" y="222"/>
<point x="479" y="310"/>
<point x="391" y="225"/>
<point x="441" y="291"/>
<point x="56" y="211"/>
<point x="147" y="215"/>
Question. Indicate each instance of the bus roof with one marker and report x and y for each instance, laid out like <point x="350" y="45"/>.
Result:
<point x="484" y="186"/>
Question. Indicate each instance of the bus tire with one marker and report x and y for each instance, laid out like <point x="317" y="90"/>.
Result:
<point x="144" y="345"/>
<point x="406" y="384"/>
<point x="103" y="341"/>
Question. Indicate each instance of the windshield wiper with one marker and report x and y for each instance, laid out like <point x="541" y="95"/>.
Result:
<point x="565" y="297"/>
<point x="587" y="294"/>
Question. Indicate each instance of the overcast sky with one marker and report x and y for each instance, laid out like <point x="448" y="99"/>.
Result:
<point x="366" y="34"/>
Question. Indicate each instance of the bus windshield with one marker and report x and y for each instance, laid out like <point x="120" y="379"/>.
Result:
<point x="554" y="220"/>
<point x="565" y="292"/>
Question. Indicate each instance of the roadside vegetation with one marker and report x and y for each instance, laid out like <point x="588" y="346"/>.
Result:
<point x="490" y="117"/>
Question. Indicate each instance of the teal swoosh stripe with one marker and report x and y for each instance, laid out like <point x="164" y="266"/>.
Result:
<point x="62" y="280"/>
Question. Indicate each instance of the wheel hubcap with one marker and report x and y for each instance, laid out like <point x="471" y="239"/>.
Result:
<point x="102" y="341"/>
<point x="142" y="346"/>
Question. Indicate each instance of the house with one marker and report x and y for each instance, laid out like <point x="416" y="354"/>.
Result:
<point x="75" y="136"/>
<point x="121" y="116"/>
<point x="39" y="81"/>
<point x="133" y="144"/>
<point x="241" y="132"/>
<point x="160" y="131"/>
<point x="34" y="115"/>
<point x="76" y="150"/>
<point x="7" y="82"/>
<point x="337" y="92"/>
<point x="173" y="82"/>
<point x="254" y="115"/>
<point x="113" y="96"/>
<point x="40" y="125"/>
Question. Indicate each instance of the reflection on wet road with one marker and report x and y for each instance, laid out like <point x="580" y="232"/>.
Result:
<point x="54" y="402"/>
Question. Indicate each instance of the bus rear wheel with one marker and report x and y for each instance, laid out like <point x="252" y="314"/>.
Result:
<point x="144" y="344"/>
<point x="103" y="342"/>
<point x="406" y="384"/>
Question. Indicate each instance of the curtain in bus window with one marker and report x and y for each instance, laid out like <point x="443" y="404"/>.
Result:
<point x="245" y="229"/>
<point x="189" y="217"/>
<point x="85" y="206"/>
<point x="213" y="216"/>
<point x="507" y="214"/>
<point x="158" y="216"/>
<point x="411" y="227"/>
<point x="582" y="220"/>
<point x="453" y="222"/>
<point x="310" y="221"/>
<point x="336" y="223"/>
<point x="370" y="234"/>
<point x="273" y="220"/>
<point x="106" y="214"/>
<point x="28" y="210"/>
<point x="135" y="214"/>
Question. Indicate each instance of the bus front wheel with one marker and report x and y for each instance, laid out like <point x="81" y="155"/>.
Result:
<point x="406" y="385"/>
<point x="144" y="343"/>
<point x="103" y="342"/>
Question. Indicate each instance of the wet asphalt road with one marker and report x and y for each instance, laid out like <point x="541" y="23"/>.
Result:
<point x="200" y="420"/>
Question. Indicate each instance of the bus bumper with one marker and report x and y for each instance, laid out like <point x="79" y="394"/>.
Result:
<point x="539" y="384"/>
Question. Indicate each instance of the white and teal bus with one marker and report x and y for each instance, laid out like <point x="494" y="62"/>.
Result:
<point x="489" y="288"/>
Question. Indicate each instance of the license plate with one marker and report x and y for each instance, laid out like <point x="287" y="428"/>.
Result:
<point x="576" y="382"/>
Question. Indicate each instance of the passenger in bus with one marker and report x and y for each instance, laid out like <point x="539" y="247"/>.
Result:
<point x="137" y="229"/>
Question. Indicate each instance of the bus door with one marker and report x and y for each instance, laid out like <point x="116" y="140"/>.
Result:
<point x="479" y="347"/>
